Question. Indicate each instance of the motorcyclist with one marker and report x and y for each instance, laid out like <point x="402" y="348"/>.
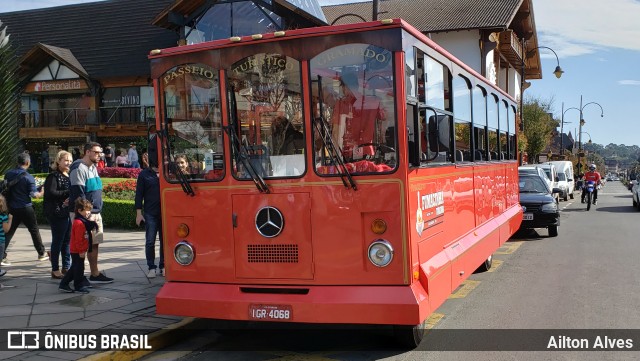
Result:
<point x="593" y="176"/>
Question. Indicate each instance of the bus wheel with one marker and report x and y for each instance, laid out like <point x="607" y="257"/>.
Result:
<point x="409" y="336"/>
<point x="553" y="231"/>
<point x="486" y="265"/>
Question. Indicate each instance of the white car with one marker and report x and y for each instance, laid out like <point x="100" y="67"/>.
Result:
<point x="534" y="169"/>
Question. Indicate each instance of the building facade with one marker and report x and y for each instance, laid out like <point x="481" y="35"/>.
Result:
<point x="84" y="70"/>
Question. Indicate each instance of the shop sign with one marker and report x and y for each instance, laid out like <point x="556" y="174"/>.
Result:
<point x="56" y="86"/>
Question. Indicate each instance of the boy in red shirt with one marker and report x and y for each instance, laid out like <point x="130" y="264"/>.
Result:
<point x="80" y="244"/>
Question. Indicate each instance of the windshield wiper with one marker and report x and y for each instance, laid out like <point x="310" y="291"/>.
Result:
<point x="240" y="150"/>
<point x="182" y="178"/>
<point x="327" y="141"/>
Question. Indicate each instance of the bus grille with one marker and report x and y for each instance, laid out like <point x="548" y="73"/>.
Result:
<point x="272" y="253"/>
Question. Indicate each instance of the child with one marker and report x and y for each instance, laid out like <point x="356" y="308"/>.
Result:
<point x="5" y="219"/>
<point x="81" y="241"/>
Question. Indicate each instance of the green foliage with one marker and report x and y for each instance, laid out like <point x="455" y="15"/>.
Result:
<point x="9" y="105"/>
<point x="118" y="214"/>
<point x="538" y="125"/>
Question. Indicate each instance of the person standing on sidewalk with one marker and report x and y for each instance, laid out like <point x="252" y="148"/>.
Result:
<point x="21" y="208"/>
<point x="148" y="199"/>
<point x="86" y="183"/>
<point x="56" y="209"/>
<point x="81" y="244"/>
<point x="132" y="156"/>
<point x="5" y="219"/>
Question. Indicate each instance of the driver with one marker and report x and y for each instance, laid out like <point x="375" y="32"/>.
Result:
<point x="593" y="176"/>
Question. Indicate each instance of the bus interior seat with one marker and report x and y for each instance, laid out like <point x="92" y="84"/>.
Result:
<point x="478" y="154"/>
<point x="259" y="158"/>
<point x="459" y="156"/>
<point x="493" y="155"/>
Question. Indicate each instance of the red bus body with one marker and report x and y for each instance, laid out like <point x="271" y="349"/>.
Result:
<point x="442" y="221"/>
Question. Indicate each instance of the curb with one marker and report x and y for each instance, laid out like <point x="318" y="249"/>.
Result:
<point x="158" y="340"/>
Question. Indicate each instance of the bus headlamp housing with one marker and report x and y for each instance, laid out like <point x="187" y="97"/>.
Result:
<point x="380" y="253"/>
<point x="183" y="253"/>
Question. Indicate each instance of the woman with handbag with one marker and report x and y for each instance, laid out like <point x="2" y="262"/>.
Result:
<point x="56" y="209"/>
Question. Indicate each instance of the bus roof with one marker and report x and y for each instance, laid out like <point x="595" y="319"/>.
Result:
<point x="318" y="31"/>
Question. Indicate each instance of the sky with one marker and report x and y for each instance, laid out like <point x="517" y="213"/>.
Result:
<point x="598" y="47"/>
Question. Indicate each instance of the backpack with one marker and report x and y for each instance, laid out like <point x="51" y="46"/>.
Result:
<point x="5" y="185"/>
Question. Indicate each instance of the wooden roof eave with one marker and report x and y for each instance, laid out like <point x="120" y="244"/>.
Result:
<point x="32" y="61"/>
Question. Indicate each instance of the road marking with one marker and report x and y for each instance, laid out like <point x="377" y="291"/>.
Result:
<point x="433" y="320"/>
<point x="494" y="265"/>
<point x="510" y="247"/>
<point x="465" y="289"/>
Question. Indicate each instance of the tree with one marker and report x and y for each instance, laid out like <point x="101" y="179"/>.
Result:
<point x="538" y="125"/>
<point x="9" y="105"/>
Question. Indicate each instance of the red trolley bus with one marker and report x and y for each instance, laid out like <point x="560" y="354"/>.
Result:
<point x="351" y="174"/>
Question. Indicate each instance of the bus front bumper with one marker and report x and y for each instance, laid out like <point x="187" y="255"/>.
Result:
<point x="392" y="305"/>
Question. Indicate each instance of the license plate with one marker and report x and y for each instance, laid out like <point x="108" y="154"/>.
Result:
<point x="527" y="216"/>
<point x="270" y="312"/>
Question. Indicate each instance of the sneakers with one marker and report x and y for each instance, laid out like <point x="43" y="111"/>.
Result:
<point x="43" y="257"/>
<point x="162" y="272"/>
<point x="152" y="273"/>
<point x="2" y="272"/>
<point x="65" y="288"/>
<point x="100" y="278"/>
<point x="5" y="262"/>
<point x="83" y="290"/>
<point x="595" y="203"/>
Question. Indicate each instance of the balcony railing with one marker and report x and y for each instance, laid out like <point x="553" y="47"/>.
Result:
<point x="511" y="47"/>
<point x="75" y="117"/>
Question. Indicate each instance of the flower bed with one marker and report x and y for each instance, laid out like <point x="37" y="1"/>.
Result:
<point x="117" y="172"/>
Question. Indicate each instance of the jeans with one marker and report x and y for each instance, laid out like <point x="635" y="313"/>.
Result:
<point x="27" y="216"/>
<point x="60" y="235"/>
<point x="152" y="227"/>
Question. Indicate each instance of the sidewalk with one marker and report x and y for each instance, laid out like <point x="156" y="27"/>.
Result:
<point x="30" y="298"/>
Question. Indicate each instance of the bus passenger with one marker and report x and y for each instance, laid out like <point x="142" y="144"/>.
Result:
<point x="182" y="164"/>
<point x="357" y="118"/>
<point x="287" y="140"/>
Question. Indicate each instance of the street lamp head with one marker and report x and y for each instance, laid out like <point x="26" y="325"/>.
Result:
<point x="558" y="72"/>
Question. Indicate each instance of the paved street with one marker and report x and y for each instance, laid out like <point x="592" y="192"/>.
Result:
<point x="30" y="298"/>
<point x="582" y="279"/>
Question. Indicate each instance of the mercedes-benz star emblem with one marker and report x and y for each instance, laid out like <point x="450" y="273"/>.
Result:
<point x="269" y="222"/>
<point x="524" y="209"/>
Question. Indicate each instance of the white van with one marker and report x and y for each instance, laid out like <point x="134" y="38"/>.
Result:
<point x="566" y="167"/>
<point x="552" y="173"/>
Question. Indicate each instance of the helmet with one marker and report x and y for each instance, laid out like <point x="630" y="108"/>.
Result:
<point x="592" y="167"/>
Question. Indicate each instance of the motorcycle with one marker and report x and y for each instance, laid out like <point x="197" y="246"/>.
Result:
<point x="589" y="186"/>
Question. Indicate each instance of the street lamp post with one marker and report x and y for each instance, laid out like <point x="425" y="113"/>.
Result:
<point x="562" y="127"/>
<point x="557" y="72"/>
<point x="580" y="129"/>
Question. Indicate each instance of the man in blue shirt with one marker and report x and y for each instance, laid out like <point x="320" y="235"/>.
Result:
<point x="21" y="208"/>
<point x="132" y="156"/>
<point x="148" y="199"/>
<point x="86" y="183"/>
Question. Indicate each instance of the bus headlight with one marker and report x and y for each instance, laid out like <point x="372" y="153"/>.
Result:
<point x="380" y="253"/>
<point x="183" y="253"/>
